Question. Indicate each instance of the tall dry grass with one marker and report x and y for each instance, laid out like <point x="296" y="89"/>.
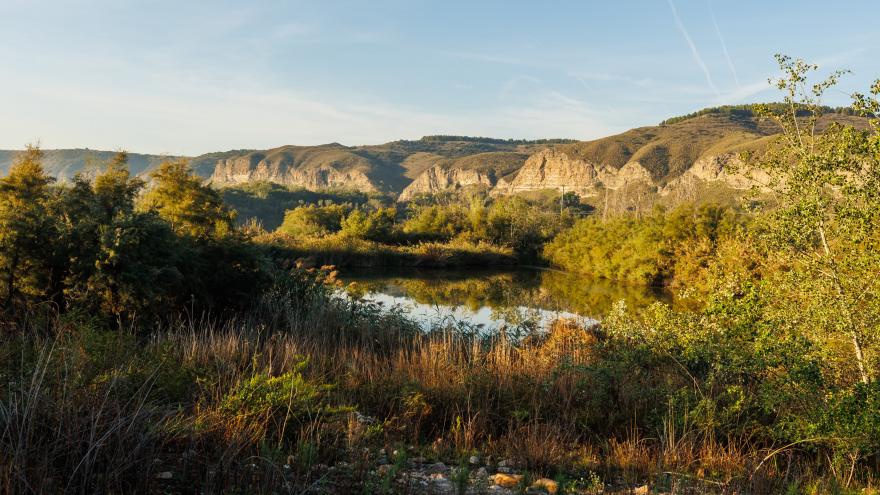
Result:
<point x="89" y="411"/>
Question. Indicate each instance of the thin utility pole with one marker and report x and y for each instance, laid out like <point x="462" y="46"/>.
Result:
<point x="562" y="201"/>
<point x="605" y="209"/>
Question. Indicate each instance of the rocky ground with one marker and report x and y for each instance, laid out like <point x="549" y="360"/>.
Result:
<point x="398" y="474"/>
<point x="417" y="475"/>
<point x="381" y="473"/>
<point x="405" y="470"/>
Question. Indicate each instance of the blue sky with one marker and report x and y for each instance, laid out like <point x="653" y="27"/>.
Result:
<point x="187" y="77"/>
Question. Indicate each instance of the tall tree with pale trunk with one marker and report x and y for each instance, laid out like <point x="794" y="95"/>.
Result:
<point x="826" y="228"/>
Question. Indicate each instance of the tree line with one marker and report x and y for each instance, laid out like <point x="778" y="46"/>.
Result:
<point x="120" y="246"/>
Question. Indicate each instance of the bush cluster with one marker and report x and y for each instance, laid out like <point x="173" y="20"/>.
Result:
<point x="109" y="245"/>
<point x="512" y="223"/>
<point x="662" y="248"/>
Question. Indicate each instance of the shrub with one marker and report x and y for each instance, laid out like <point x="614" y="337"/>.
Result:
<point x="374" y="226"/>
<point x="263" y="395"/>
<point x="435" y="222"/>
<point x="313" y="221"/>
<point x="661" y="248"/>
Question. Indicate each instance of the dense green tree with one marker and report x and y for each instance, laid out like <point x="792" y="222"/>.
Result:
<point x="313" y="221"/>
<point x="375" y="226"/>
<point x="476" y="216"/>
<point x="661" y="248"/>
<point x="180" y="198"/>
<point x="115" y="260"/>
<point x="435" y="222"/>
<point x="26" y="230"/>
<point x="517" y="223"/>
<point x="87" y="210"/>
<point x="115" y="190"/>
<point x="84" y="245"/>
<point x="137" y="267"/>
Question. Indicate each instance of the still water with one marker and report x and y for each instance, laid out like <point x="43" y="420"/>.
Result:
<point x="519" y="300"/>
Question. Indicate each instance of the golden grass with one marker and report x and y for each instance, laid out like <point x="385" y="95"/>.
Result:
<point x="445" y="393"/>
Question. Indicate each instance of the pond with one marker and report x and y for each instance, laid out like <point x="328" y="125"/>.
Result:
<point x="518" y="300"/>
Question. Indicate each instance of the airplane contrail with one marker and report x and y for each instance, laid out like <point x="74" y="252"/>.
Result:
<point x="723" y="44"/>
<point x="697" y="58"/>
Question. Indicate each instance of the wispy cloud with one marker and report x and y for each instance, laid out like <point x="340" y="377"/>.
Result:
<point x="723" y="43"/>
<point x="292" y="30"/>
<point x="195" y="114"/>
<point x="553" y="114"/>
<point x="696" y="54"/>
<point x="602" y="77"/>
<point x="511" y="85"/>
<point x="485" y="57"/>
<point x="748" y="92"/>
<point x="745" y="93"/>
<point x="838" y="58"/>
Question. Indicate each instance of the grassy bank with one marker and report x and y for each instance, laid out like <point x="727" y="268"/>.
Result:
<point x="342" y="251"/>
<point x="314" y="393"/>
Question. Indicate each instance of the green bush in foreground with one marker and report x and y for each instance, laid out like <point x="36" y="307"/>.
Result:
<point x="288" y="394"/>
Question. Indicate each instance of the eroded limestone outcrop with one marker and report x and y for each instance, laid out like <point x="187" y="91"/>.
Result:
<point x="554" y="169"/>
<point x="726" y="169"/>
<point x="292" y="170"/>
<point x="440" y="178"/>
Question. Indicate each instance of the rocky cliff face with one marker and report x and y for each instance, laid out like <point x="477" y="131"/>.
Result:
<point x="334" y="167"/>
<point x="440" y="179"/>
<point x="290" y="169"/>
<point x="676" y="155"/>
<point x="554" y="169"/>
<point x="727" y="169"/>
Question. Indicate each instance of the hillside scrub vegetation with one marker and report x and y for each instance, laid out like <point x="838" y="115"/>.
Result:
<point x="754" y="110"/>
<point x="151" y="345"/>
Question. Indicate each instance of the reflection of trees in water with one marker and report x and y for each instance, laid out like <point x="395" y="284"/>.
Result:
<point x="581" y="295"/>
<point x="445" y="288"/>
<point x="555" y="291"/>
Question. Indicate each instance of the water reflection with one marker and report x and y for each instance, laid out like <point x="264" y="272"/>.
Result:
<point x="526" y="299"/>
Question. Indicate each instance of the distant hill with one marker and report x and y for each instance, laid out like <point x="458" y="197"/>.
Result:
<point x="747" y="111"/>
<point x="684" y="152"/>
<point x="64" y="164"/>
<point x="698" y="146"/>
<point x="204" y="165"/>
<point x="667" y="150"/>
<point x="389" y="167"/>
